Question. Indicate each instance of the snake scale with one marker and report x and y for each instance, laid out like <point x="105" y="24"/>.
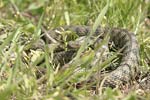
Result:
<point x="129" y="65"/>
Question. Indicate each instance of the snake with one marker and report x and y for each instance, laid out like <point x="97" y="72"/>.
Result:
<point x="123" y="39"/>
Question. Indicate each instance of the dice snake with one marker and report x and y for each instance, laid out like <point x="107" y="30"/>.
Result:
<point x="122" y="39"/>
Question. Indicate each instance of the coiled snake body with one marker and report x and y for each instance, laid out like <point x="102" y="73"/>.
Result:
<point x="128" y="67"/>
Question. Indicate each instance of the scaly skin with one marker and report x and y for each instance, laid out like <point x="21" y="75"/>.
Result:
<point x="128" y="67"/>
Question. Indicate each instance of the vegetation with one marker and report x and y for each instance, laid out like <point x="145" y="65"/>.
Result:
<point x="21" y="26"/>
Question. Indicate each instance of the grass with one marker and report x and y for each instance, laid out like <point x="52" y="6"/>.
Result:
<point x="21" y="23"/>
